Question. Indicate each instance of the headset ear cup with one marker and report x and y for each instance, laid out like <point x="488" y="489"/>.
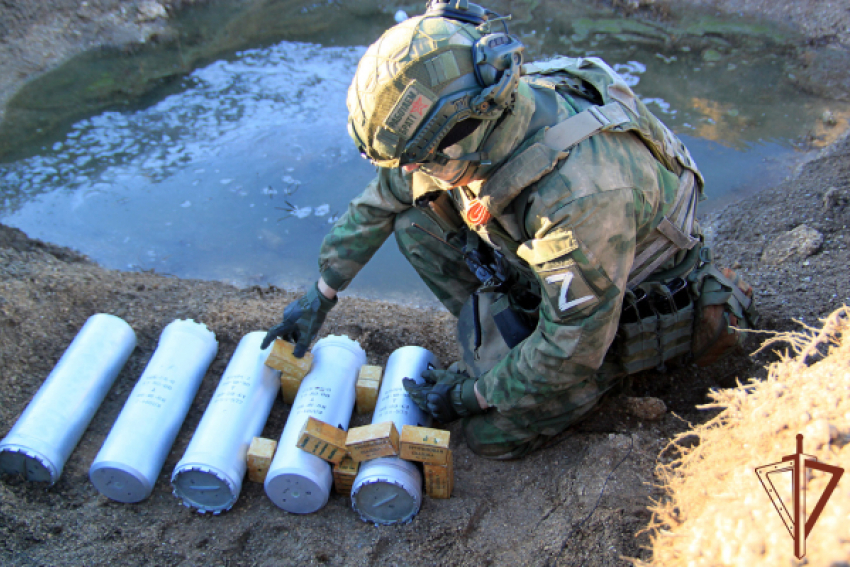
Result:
<point x="493" y="55"/>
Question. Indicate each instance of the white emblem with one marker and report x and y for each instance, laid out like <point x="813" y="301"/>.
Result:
<point x="566" y="279"/>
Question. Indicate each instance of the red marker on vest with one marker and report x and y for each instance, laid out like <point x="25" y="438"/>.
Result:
<point x="477" y="214"/>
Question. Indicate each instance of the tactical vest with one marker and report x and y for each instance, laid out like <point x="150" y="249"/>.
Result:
<point x="616" y="109"/>
<point x="659" y="312"/>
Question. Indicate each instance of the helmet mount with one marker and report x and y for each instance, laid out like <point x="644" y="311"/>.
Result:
<point x="459" y="10"/>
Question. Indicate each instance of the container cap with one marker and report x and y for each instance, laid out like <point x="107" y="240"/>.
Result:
<point x="119" y="482"/>
<point x="27" y="463"/>
<point x="190" y="327"/>
<point x="296" y="492"/>
<point x="204" y="488"/>
<point x="341" y="341"/>
<point x="387" y="491"/>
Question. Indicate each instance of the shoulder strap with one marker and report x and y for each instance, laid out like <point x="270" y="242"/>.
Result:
<point x="583" y="125"/>
<point x="540" y="158"/>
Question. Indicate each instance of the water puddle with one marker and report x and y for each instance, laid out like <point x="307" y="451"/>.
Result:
<point x="235" y="171"/>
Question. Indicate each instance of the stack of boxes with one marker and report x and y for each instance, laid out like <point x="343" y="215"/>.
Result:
<point x="346" y="450"/>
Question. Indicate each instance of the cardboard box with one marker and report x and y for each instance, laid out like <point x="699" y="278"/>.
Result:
<point x="344" y="474"/>
<point x="292" y="370"/>
<point x="289" y="388"/>
<point x="424" y="444"/>
<point x="260" y="455"/>
<point x="366" y="395"/>
<point x="367" y="388"/>
<point x="323" y="440"/>
<point x="372" y="441"/>
<point x="440" y="479"/>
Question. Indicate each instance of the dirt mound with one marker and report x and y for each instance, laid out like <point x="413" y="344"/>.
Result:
<point x="716" y="511"/>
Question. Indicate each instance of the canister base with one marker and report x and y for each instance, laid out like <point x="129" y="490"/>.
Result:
<point x="29" y="464"/>
<point x="387" y="491"/>
<point x="204" y="488"/>
<point x="297" y="493"/>
<point x="119" y="482"/>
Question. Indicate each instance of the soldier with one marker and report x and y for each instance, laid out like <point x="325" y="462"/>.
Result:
<point x="533" y="200"/>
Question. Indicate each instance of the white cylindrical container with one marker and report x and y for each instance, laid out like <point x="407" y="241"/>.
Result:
<point x="209" y="476"/>
<point x="127" y="465"/>
<point x="389" y="490"/>
<point x="297" y="481"/>
<point x="59" y="413"/>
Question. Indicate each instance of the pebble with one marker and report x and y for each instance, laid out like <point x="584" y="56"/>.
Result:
<point x="149" y="11"/>
<point x="801" y="242"/>
<point x="829" y="118"/>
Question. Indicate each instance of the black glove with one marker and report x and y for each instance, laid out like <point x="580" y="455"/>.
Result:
<point x="302" y="319"/>
<point x="445" y="395"/>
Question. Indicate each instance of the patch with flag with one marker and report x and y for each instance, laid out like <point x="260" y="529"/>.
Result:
<point x="410" y="110"/>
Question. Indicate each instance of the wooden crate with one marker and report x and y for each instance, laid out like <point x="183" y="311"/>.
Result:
<point x="367" y="388"/>
<point x="292" y="370"/>
<point x="344" y="474"/>
<point x="372" y="441"/>
<point x="424" y="444"/>
<point x="440" y="479"/>
<point x="260" y="455"/>
<point x="323" y="440"/>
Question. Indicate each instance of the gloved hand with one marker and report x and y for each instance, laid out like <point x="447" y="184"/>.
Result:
<point x="445" y="395"/>
<point x="302" y="319"/>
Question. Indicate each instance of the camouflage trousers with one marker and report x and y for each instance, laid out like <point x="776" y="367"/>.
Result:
<point x="493" y="434"/>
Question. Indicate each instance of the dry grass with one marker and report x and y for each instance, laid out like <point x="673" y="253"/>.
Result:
<point x="715" y="511"/>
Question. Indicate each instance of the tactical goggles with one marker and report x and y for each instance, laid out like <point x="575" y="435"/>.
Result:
<point x="450" y="111"/>
<point x="425" y="145"/>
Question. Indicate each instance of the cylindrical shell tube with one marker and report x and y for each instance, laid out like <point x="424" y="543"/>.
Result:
<point x="132" y="456"/>
<point x="59" y="413"/>
<point x="209" y="476"/>
<point x="297" y="481"/>
<point x="389" y="490"/>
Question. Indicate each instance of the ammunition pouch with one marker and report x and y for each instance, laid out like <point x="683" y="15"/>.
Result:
<point x="656" y="325"/>
<point x="701" y="313"/>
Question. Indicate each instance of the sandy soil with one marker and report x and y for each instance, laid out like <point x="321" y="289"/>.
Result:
<point x="578" y="502"/>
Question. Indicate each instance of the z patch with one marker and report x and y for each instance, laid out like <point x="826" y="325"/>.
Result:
<point x="568" y="292"/>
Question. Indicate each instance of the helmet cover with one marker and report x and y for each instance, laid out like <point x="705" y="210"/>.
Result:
<point x="402" y="77"/>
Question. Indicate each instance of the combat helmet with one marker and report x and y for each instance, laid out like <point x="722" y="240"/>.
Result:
<point x="432" y="81"/>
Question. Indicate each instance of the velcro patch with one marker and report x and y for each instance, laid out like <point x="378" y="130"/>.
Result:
<point x="410" y="110"/>
<point x="386" y="143"/>
<point x="442" y="68"/>
<point x="554" y="245"/>
<point x="568" y="292"/>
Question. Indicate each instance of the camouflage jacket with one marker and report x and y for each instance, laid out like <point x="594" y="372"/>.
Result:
<point x="576" y="230"/>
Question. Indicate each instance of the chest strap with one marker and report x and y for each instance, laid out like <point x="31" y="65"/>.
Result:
<point x="540" y="158"/>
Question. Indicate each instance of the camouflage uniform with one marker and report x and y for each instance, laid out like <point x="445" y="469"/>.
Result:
<point x="572" y="235"/>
